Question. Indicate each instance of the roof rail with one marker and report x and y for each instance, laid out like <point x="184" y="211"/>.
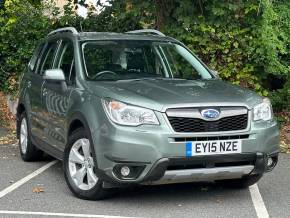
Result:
<point x="152" y="31"/>
<point x="65" y="29"/>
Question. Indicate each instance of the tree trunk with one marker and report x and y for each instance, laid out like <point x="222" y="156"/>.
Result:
<point x="164" y="9"/>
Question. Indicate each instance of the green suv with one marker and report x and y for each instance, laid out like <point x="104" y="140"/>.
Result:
<point x="139" y="108"/>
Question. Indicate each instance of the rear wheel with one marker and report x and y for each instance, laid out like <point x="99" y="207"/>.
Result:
<point x="80" y="168"/>
<point x="28" y="151"/>
<point x="241" y="183"/>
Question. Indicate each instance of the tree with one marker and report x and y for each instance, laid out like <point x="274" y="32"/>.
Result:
<point x="247" y="42"/>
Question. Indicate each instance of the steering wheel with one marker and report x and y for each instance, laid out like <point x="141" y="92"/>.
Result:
<point x="104" y="72"/>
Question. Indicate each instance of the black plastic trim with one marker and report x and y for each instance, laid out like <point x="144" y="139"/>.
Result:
<point x="42" y="145"/>
<point x="124" y="161"/>
<point x="261" y="163"/>
<point x="157" y="171"/>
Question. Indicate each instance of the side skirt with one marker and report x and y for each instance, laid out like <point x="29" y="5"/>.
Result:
<point x="47" y="148"/>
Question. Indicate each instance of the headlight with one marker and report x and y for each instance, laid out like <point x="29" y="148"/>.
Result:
<point x="263" y="111"/>
<point x="129" y="115"/>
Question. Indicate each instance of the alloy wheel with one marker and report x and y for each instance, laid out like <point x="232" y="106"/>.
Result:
<point x="23" y="136"/>
<point x="81" y="165"/>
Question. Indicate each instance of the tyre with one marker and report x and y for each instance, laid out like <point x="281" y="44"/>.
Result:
<point x="241" y="183"/>
<point x="80" y="168"/>
<point x="28" y="151"/>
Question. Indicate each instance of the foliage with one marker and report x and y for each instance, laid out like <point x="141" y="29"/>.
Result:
<point x="247" y="42"/>
<point x="21" y="27"/>
<point x="281" y="98"/>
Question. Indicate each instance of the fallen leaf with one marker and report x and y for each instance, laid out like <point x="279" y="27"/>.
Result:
<point x="37" y="190"/>
<point x="219" y="201"/>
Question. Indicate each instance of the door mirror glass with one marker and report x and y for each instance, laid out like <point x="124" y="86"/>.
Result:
<point x="54" y="74"/>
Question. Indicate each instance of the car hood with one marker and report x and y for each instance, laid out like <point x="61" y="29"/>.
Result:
<point x="159" y="94"/>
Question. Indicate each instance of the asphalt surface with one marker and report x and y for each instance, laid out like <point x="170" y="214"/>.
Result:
<point x="181" y="200"/>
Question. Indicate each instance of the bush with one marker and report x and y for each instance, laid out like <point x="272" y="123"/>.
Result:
<point x="281" y="98"/>
<point x="245" y="41"/>
<point x="21" y="27"/>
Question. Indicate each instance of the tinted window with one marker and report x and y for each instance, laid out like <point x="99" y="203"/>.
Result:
<point x="48" y="57"/>
<point x="66" y="61"/>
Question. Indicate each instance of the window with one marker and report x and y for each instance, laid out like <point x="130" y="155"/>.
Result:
<point x="181" y="63"/>
<point x="48" y="57"/>
<point x="111" y="60"/>
<point x="35" y="57"/>
<point x="99" y="59"/>
<point x="121" y="60"/>
<point x="66" y="61"/>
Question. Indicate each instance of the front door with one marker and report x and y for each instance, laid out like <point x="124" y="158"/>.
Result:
<point x="55" y="97"/>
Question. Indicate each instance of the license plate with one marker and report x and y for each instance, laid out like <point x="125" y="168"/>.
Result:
<point x="213" y="147"/>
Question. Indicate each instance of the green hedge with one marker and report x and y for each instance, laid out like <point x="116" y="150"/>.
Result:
<point x="247" y="42"/>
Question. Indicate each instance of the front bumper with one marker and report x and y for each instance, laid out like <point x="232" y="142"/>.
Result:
<point x="194" y="175"/>
<point x="161" y="155"/>
<point x="206" y="168"/>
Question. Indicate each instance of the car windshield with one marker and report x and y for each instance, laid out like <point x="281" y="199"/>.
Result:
<point x="125" y="60"/>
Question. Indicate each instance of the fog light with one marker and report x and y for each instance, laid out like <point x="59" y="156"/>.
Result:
<point x="270" y="162"/>
<point x="125" y="171"/>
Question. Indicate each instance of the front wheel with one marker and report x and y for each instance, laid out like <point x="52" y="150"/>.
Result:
<point x="80" y="168"/>
<point x="243" y="182"/>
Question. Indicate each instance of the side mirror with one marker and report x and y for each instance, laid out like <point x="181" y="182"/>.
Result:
<point x="215" y="73"/>
<point x="55" y="75"/>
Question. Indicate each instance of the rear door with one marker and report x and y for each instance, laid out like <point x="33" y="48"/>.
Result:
<point x="56" y="99"/>
<point x="35" y="84"/>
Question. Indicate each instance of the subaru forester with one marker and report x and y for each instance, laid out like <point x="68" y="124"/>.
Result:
<point x="139" y="107"/>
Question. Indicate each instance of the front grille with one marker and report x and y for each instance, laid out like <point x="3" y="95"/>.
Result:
<point x="232" y="123"/>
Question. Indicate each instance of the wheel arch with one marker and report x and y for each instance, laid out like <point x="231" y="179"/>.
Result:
<point x="76" y="121"/>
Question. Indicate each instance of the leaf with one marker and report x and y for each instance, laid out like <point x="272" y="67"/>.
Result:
<point x="38" y="189"/>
